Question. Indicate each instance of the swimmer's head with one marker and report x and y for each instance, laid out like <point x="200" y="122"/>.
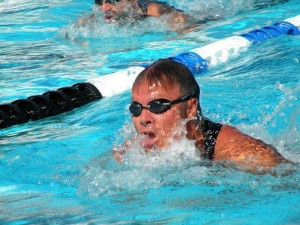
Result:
<point x="100" y="2"/>
<point x="119" y="10"/>
<point x="163" y="95"/>
<point x="169" y="74"/>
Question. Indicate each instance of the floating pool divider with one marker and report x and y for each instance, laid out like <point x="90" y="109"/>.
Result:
<point x="48" y="104"/>
<point x="197" y="60"/>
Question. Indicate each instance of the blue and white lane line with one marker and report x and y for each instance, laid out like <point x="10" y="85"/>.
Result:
<point x="197" y="60"/>
<point x="200" y="59"/>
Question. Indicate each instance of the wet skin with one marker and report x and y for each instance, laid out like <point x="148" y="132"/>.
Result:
<point x="157" y="129"/>
<point x="121" y="10"/>
<point x="232" y="147"/>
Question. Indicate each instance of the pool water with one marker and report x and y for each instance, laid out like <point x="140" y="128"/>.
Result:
<point x="59" y="170"/>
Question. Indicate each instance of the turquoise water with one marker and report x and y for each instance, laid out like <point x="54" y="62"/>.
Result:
<point x="59" y="170"/>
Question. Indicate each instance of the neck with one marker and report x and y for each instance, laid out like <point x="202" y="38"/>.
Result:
<point x="194" y="129"/>
<point x="137" y="7"/>
<point x="194" y="132"/>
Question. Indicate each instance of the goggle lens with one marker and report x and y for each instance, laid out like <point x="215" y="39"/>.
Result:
<point x="159" y="105"/>
<point x="100" y="2"/>
<point x="156" y="106"/>
<point x="135" y="108"/>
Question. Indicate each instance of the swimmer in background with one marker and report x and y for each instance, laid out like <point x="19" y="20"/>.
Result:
<point x="120" y="11"/>
<point x="124" y="11"/>
<point x="165" y="94"/>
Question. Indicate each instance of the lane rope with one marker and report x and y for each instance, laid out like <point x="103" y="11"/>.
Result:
<point x="197" y="60"/>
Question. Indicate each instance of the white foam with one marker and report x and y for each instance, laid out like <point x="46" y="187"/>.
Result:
<point x="179" y="163"/>
<point x="5" y="189"/>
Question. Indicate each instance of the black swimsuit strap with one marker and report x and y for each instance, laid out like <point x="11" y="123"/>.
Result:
<point x="210" y="134"/>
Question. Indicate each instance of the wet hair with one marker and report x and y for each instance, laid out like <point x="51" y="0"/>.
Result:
<point x="170" y="73"/>
<point x="99" y="2"/>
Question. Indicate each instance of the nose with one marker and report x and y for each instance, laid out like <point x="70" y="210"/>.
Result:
<point x="105" y="7"/>
<point x="146" y="117"/>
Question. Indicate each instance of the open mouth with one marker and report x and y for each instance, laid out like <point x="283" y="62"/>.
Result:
<point x="108" y="16"/>
<point x="148" y="139"/>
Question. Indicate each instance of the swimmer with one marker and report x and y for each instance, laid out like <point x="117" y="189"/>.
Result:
<point x="130" y="11"/>
<point x="121" y="11"/>
<point x="166" y="93"/>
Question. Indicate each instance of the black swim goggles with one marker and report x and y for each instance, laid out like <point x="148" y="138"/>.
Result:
<point x="100" y="2"/>
<point x="159" y="105"/>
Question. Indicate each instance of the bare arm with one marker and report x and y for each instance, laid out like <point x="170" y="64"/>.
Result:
<point x="177" y="19"/>
<point x="246" y="152"/>
<point x="86" y="19"/>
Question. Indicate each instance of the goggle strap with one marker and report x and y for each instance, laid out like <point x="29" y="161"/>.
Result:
<point x="183" y="98"/>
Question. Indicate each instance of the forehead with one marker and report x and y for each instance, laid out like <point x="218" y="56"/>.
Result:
<point x="154" y="89"/>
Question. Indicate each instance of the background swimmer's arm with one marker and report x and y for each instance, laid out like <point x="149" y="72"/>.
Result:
<point x="84" y="20"/>
<point x="177" y="19"/>
<point x="245" y="152"/>
<point x="88" y="18"/>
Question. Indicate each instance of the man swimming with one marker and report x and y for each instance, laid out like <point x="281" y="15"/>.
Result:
<point x="165" y="94"/>
<point x="122" y="11"/>
<point x="129" y="11"/>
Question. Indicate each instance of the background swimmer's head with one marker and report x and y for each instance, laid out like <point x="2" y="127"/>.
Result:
<point x="121" y="11"/>
<point x="100" y="2"/>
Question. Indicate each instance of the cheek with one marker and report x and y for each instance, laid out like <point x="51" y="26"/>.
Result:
<point x="169" y="121"/>
<point x="135" y="122"/>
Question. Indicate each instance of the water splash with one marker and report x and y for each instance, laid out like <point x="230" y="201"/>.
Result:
<point x="214" y="9"/>
<point x="97" y="28"/>
<point x="179" y="163"/>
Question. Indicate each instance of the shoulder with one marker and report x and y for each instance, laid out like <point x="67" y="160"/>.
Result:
<point x="236" y="146"/>
<point x="157" y="8"/>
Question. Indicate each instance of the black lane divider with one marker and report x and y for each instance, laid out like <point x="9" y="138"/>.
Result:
<point x="48" y="104"/>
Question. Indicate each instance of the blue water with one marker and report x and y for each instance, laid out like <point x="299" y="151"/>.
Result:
<point x="59" y="170"/>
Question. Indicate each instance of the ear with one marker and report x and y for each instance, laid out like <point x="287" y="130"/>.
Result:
<point x="192" y="107"/>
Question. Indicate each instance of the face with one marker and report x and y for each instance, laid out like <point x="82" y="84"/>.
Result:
<point x="116" y="10"/>
<point x="155" y="130"/>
